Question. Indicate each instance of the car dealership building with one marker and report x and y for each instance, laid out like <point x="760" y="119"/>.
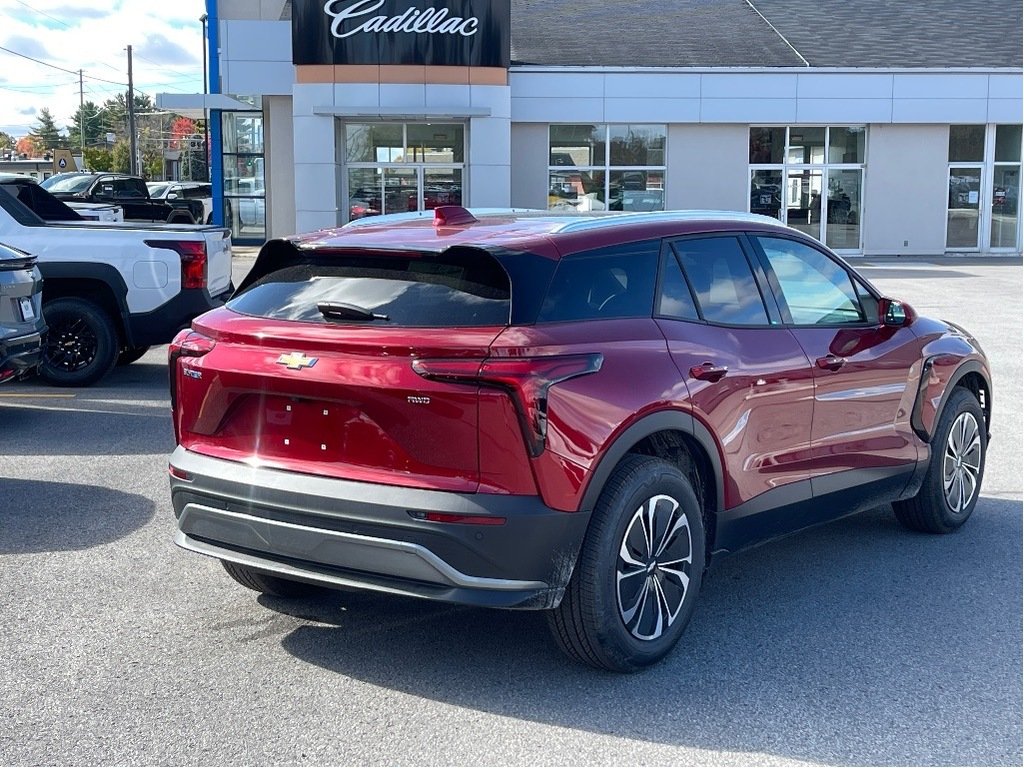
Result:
<point x="880" y="128"/>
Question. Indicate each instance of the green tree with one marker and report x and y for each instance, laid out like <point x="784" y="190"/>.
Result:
<point x="46" y="132"/>
<point x="7" y="141"/>
<point x="115" y="112"/>
<point x="120" y="157"/>
<point x="87" y="123"/>
<point x="99" y="159"/>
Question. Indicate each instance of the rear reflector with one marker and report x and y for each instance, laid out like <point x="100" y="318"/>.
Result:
<point x="442" y="517"/>
<point x="180" y="474"/>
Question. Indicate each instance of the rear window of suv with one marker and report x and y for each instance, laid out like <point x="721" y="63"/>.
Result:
<point x="457" y="288"/>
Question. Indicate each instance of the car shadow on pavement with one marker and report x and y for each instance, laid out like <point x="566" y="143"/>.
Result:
<point x="857" y="642"/>
<point x="35" y="516"/>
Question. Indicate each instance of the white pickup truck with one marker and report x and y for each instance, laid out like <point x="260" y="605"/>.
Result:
<point x="111" y="290"/>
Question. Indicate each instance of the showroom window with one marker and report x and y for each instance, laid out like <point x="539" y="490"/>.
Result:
<point x="811" y="178"/>
<point x="983" y="210"/>
<point x="245" y="194"/>
<point x="606" y="167"/>
<point x="402" y="167"/>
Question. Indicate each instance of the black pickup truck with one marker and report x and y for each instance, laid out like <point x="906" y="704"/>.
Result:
<point x="129" y="192"/>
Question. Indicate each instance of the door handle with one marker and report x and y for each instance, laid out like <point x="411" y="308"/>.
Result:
<point x="708" y="371"/>
<point x="830" y="362"/>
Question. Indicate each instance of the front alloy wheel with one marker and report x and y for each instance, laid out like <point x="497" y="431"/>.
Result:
<point x="961" y="465"/>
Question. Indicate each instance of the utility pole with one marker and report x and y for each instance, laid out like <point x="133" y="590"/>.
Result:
<point x="206" y="112"/>
<point x="81" y="113"/>
<point x="132" y="138"/>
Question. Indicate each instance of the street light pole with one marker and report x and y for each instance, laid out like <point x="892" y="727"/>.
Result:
<point x="206" y="112"/>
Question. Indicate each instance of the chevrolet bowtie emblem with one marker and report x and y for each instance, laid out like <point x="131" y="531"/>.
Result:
<point x="296" y="361"/>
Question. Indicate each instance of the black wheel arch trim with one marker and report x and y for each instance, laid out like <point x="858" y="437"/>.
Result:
<point x="101" y="273"/>
<point x="662" y="421"/>
<point x="966" y="367"/>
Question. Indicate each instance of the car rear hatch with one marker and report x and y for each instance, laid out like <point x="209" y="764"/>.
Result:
<point x="310" y="366"/>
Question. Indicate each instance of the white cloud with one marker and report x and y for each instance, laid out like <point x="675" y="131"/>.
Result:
<point x="74" y="34"/>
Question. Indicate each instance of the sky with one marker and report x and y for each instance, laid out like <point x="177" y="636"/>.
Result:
<point x="166" y="37"/>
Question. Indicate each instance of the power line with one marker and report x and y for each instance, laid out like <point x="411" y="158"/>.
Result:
<point x="54" y="66"/>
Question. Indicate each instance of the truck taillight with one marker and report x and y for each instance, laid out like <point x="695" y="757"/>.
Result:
<point x="187" y="343"/>
<point x="193" y="259"/>
<point x="526" y="379"/>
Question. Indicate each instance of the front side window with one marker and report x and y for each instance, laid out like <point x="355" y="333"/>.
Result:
<point x="815" y="288"/>
<point x="607" y="167"/>
<point x="722" y="281"/>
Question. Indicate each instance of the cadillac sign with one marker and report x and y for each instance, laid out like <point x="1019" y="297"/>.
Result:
<point x="468" y="33"/>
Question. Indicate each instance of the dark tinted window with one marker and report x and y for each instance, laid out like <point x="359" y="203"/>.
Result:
<point x="617" y="281"/>
<point x="675" y="300"/>
<point x="462" y="288"/>
<point x="721" y="278"/>
<point x="817" y="290"/>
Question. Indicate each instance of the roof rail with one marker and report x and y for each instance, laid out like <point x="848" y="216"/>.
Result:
<point x="655" y="217"/>
<point x="392" y="218"/>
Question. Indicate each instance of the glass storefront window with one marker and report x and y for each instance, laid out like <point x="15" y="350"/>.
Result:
<point x="824" y="200"/>
<point x="244" y="180"/>
<point x="964" y="208"/>
<point x="581" y="159"/>
<point x="767" y="145"/>
<point x="846" y="145"/>
<point x="434" y="143"/>
<point x="966" y="143"/>
<point x="368" y="143"/>
<point x="806" y="145"/>
<point x="1008" y="143"/>
<point x="1005" y="204"/>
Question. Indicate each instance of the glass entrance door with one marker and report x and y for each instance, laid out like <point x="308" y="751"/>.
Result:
<point x="964" y="208"/>
<point x="375" y="191"/>
<point x="803" y="202"/>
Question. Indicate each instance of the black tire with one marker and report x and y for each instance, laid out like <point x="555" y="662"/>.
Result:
<point x="267" y="584"/>
<point x="591" y="623"/>
<point x="131" y="354"/>
<point x="933" y="510"/>
<point x="180" y="217"/>
<point x="81" y="343"/>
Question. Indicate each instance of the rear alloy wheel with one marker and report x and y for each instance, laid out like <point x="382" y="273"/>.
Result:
<point x="81" y="343"/>
<point x="955" y="470"/>
<point x="268" y="584"/>
<point x="639" y="571"/>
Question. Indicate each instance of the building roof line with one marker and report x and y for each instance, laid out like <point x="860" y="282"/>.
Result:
<point x="781" y="36"/>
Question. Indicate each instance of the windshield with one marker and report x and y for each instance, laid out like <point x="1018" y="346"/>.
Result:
<point x="72" y="183"/>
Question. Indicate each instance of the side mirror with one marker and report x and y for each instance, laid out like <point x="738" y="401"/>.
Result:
<point x="172" y="195"/>
<point x="895" y="314"/>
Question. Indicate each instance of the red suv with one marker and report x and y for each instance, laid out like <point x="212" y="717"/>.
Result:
<point x="570" y="414"/>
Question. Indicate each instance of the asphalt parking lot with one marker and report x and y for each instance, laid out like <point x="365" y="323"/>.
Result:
<point x="856" y="642"/>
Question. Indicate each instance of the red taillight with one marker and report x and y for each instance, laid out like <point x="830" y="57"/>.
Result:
<point x="187" y="343"/>
<point x="526" y="379"/>
<point x="193" y="259"/>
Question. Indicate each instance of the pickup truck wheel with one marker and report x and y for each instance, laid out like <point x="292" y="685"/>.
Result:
<point x="131" y="354"/>
<point x="266" y="583"/>
<point x="639" y="571"/>
<point x="81" y="344"/>
<point x="182" y="217"/>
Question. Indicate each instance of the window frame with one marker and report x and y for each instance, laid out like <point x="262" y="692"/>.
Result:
<point x="780" y="298"/>
<point x="607" y="168"/>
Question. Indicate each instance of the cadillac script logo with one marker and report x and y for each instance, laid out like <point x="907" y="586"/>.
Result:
<point x="296" y="361"/>
<point x="431" y="21"/>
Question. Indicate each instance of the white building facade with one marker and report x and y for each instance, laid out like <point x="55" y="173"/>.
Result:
<point x="872" y="160"/>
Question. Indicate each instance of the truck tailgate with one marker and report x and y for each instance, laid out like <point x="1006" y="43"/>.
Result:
<point x="218" y="250"/>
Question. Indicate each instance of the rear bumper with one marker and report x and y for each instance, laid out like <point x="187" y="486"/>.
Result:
<point x="161" y="325"/>
<point x="20" y="355"/>
<point x="340" y="533"/>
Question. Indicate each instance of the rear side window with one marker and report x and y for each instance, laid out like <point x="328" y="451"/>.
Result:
<point x="457" y="288"/>
<point x="613" y="282"/>
<point x="722" y="280"/>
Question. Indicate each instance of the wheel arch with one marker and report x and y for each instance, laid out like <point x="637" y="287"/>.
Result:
<point x="680" y="439"/>
<point x="100" y="283"/>
<point x="970" y="375"/>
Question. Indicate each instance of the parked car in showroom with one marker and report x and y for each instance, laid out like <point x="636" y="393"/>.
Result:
<point x="564" y="413"/>
<point x="21" y="317"/>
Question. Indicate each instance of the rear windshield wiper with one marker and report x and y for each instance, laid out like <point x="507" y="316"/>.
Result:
<point x="336" y="310"/>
